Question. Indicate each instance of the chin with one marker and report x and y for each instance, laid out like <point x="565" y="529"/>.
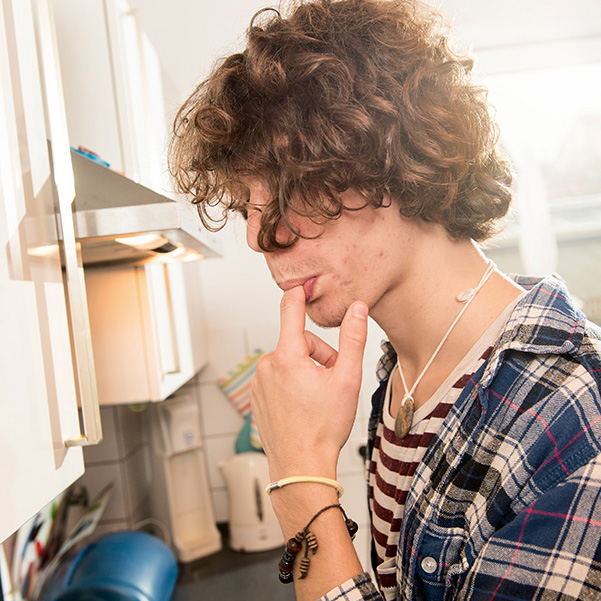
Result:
<point x="326" y="318"/>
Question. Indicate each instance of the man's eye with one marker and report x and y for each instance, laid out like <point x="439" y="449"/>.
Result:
<point x="246" y="208"/>
<point x="252" y="208"/>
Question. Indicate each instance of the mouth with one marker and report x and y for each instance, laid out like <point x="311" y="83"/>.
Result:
<point x="308" y="285"/>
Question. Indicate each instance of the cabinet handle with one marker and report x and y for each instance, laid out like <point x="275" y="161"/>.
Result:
<point x="164" y="318"/>
<point x="81" y="337"/>
<point x="62" y="170"/>
<point x="171" y="314"/>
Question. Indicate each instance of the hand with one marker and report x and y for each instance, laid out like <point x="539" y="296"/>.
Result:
<point x="304" y="395"/>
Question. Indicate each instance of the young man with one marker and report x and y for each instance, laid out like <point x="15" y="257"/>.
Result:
<point x="363" y="158"/>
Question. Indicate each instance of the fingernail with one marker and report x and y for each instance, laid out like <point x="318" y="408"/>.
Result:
<point x="359" y="310"/>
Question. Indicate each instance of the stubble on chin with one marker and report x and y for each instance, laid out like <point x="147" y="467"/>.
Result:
<point x="326" y="319"/>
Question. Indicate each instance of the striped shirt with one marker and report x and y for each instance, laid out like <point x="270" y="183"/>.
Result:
<point x="506" y="502"/>
<point x="394" y="461"/>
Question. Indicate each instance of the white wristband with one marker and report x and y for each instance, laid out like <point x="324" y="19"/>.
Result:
<point x="314" y="479"/>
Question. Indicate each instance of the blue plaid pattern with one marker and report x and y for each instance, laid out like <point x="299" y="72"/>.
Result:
<point x="506" y="504"/>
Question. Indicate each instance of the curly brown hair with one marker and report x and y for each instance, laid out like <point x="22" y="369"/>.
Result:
<point x="361" y="94"/>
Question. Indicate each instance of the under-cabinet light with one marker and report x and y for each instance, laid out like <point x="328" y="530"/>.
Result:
<point x="144" y="241"/>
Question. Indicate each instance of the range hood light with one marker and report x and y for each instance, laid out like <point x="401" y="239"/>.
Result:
<point x="179" y="254"/>
<point x="144" y="241"/>
<point x="192" y="255"/>
<point x="182" y="253"/>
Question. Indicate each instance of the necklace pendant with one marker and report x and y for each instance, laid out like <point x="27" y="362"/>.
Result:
<point x="404" y="417"/>
<point x="464" y="296"/>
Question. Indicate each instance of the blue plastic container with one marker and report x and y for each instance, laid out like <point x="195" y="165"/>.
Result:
<point x="123" y="566"/>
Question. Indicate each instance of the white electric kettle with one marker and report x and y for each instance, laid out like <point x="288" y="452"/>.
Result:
<point x="253" y="525"/>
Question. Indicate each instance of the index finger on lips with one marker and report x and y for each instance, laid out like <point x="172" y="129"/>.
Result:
<point x="292" y="319"/>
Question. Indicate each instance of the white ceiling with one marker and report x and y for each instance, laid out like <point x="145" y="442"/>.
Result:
<point x="190" y="35"/>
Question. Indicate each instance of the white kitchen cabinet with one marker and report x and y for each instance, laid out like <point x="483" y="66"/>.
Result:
<point x="45" y="360"/>
<point x="118" y="112"/>
<point x="94" y="98"/>
<point x="147" y="329"/>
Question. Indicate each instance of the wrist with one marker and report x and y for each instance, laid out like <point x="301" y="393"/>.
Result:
<point x="278" y="484"/>
<point x="302" y="465"/>
<point x="296" y="503"/>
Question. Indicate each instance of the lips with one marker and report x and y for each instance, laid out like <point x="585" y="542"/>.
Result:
<point x="308" y="285"/>
<point x="308" y="288"/>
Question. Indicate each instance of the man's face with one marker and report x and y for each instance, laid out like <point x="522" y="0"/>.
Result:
<point x="351" y="258"/>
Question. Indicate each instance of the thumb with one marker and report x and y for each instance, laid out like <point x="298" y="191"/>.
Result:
<point x="351" y="346"/>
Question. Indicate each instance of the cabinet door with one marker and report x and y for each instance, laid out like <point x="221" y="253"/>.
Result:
<point x="138" y="75"/>
<point x="119" y="113"/>
<point x="147" y="330"/>
<point x="176" y="321"/>
<point x="38" y="402"/>
<point x="94" y="96"/>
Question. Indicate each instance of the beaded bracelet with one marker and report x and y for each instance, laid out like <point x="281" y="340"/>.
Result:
<point x="315" y="479"/>
<point x="295" y="544"/>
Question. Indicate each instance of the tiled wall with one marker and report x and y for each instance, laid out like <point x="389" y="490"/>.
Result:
<point x="121" y="459"/>
<point x="242" y="313"/>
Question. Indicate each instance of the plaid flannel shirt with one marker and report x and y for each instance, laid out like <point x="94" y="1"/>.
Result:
<point x="506" y="503"/>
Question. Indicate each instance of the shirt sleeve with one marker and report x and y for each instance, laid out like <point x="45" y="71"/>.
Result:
<point x="359" y="588"/>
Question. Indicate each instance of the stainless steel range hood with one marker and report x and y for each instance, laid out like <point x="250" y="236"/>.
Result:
<point x="120" y="221"/>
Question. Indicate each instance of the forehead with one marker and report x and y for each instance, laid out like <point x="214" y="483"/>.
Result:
<point x="251" y="189"/>
<point x="256" y="190"/>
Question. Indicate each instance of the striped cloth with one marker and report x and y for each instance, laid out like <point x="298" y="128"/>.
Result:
<point x="506" y="503"/>
<point x="236" y="387"/>
<point x="395" y="461"/>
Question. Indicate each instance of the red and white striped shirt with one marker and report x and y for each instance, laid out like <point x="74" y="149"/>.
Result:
<point x="394" y="461"/>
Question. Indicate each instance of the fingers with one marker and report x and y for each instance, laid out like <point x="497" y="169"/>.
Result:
<point x="353" y="335"/>
<point x="292" y="319"/>
<point x="319" y="350"/>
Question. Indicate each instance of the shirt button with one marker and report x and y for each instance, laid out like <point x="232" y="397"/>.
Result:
<point x="429" y="565"/>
